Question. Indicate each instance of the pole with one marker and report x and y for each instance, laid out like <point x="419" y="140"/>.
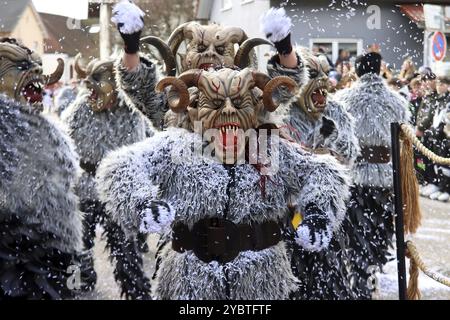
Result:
<point x="105" y="40"/>
<point x="398" y="200"/>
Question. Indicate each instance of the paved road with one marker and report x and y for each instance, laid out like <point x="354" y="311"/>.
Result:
<point x="432" y="240"/>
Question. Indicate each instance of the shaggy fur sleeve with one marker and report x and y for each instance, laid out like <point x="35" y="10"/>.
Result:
<point x="316" y="179"/>
<point x="138" y="87"/>
<point x="343" y="141"/>
<point x="298" y="74"/>
<point x="129" y="178"/>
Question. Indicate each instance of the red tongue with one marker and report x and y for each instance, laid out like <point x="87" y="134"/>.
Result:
<point x="228" y="138"/>
<point x="32" y="95"/>
<point x="318" y="98"/>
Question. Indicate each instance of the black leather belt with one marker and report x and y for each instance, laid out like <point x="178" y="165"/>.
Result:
<point x="375" y="154"/>
<point x="221" y="240"/>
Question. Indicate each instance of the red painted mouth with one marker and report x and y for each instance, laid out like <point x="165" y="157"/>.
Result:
<point x="93" y="96"/>
<point x="228" y="135"/>
<point x="319" y="97"/>
<point x="33" y="92"/>
<point x="207" y="66"/>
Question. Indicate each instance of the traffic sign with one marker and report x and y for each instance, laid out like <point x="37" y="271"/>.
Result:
<point x="439" y="46"/>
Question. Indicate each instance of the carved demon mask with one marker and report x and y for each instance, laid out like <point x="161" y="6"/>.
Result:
<point x="99" y="79"/>
<point x="313" y="95"/>
<point x="228" y="101"/>
<point x="210" y="46"/>
<point x="21" y="75"/>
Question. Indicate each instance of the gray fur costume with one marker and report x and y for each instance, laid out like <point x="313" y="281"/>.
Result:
<point x="38" y="206"/>
<point x="342" y="142"/>
<point x="322" y="275"/>
<point x="150" y="171"/>
<point x="374" y="107"/>
<point x="138" y="88"/>
<point x="95" y="135"/>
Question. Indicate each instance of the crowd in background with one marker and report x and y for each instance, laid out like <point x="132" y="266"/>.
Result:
<point x="429" y="103"/>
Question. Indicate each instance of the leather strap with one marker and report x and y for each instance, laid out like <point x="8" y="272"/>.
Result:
<point x="221" y="240"/>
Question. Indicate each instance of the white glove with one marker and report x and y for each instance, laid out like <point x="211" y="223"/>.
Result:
<point x="156" y="217"/>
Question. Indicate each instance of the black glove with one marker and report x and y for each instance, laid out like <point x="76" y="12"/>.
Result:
<point x="314" y="232"/>
<point x="328" y="127"/>
<point x="131" y="41"/>
<point x="284" y="46"/>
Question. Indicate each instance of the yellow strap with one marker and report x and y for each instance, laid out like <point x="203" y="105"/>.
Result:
<point x="297" y="220"/>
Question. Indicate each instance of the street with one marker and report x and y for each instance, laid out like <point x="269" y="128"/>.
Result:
<point x="431" y="240"/>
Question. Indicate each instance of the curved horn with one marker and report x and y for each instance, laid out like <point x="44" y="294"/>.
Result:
<point x="178" y="96"/>
<point x="268" y="87"/>
<point x="177" y="37"/>
<point x="165" y="52"/>
<point x="82" y="73"/>
<point x="56" y="75"/>
<point x="242" y="58"/>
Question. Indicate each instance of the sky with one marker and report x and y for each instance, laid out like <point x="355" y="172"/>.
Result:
<point x="77" y="9"/>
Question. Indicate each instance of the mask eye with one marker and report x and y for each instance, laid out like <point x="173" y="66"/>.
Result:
<point x="218" y="103"/>
<point x="201" y="48"/>
<point x="23" y="65"/>
<point x="313" y="73"/>
<point x="220" y="50"/>
<point x="237" y="102"/>
<point x="96" y="77"/>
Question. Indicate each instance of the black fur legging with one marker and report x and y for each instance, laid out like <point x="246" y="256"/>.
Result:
<point x="127" y="255"/>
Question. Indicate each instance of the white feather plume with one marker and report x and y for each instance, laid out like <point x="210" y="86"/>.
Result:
<point x="130" y="15"/>
<point x="276" y="25"/>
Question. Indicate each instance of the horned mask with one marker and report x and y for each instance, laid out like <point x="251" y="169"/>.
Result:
<point x="207" y="46"/>
<point x="312" y="97"/>
<point x="21" y="76"/>
<point x="99" y="79"/>
<point x="228" y="101"/>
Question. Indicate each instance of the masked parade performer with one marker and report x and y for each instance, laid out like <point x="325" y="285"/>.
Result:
<point x="40" y="225"/>
<point x="318" y="123"/>
<point x="224" y="213"/>
<point x="207" y="46"/>
<point x="374" y="107"/>
<point x="101" y="120"/>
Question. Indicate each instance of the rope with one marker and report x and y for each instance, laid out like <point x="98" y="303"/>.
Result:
<point x="410" y="134"/>
<point x="413" y="254"/>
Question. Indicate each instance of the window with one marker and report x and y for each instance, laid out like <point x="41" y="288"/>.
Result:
<point x="227" y="4"/>
<point x="333" y="48"/>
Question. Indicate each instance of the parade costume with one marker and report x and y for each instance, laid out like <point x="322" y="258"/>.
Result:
<point x="40" y="225"/>
<point x="374" y="107"/>
<point x="311" y="119"/>
<point x="99" y="121"/>
<point x="159" y="183"/>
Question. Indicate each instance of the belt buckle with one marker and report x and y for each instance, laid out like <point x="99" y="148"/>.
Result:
<point x="216" y="239"/>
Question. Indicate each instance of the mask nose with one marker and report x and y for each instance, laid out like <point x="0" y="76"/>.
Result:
<point x="229" y="109"/>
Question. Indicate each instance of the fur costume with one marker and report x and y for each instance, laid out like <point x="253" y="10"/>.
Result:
<point x="64" y="99"/>
<point x="322" y="275"/>
<point x="38" y="206"/>
<point x="163" y="181"/>
<point x="40" y="225"/>
<point x="374" y="107"/>
<point x="100" y="120"/>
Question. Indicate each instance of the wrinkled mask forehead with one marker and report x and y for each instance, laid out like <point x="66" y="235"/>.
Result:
<point x="226" y="83"/>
